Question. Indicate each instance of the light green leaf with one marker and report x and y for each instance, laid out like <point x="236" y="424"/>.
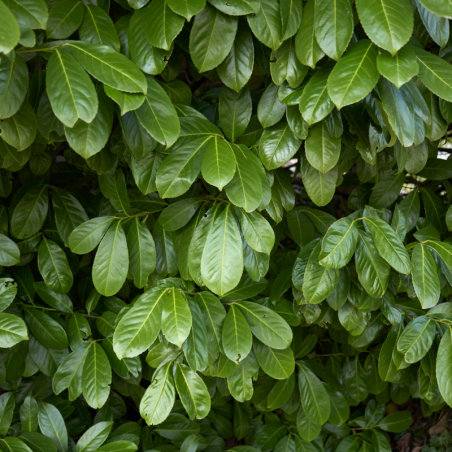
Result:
<point x="176" y="317"/>
<point x="12" y="330"/>
<point x="158" y="400"/>
<point x="96" y="376"/>
<point x="222" y="258"/>
<point x="236" y="335"/>
<point x="71" y="92"/>
<point x="192" y="392"/>
<point x="417" y="338"/>
<point x="388" y="23"/>
<point x="425" y="276"/>
<point x="52" y="425"/>
<point x="109" y="67"/>
<point x="355" y="75"/>
<point x="112" y="261"/>
<point x="400" y="68"/>
<point x="278" y="364"/>
<point x="211" y="38"/>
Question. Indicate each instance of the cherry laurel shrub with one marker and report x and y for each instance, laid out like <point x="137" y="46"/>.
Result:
<point x="224" y="224"/>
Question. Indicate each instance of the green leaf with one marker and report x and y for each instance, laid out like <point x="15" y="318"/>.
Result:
<point x="373" y="271"/>
<point x="442" y="8"/>
<point x="9" y="252"/>
<point x="69" y="213"/>
<point x="387" y="190"/>
<point x="9" y="30"/>
<point x="52" y="425"/>
<point x="177" y="215"/>
<point x="142" y="252"/>
<point x="314" y="398"/>
<point x="109" y="67"/>
<point x="176" y="317"/>
<point x="268" y="326"/>
<point x="333" y="26"/>
<point x="257" y="232"/>
<point x="396" y="422"/>
<point x="98" y="28"/>
<point x="266" y="24"/>
<point x="355" y="75"/>
<point x="88" y="235"/>
<point x="149" y="59"/>
<point x="236" y="69"/>
<point x="400" y="68"/>
<point x="187" y="8"/>
<point x="64" y="19"/>
<point x="235" y="112"/>
<point x="315" y="103"/>
<point x="111" y="262"/>
<point x="192" y="392"/>
<point x="126" y="101"/>
<point x="388" y="23"/>
<point x="89" y="139"/>
<point x="425" y="276"/>
<point x="388" y="245"/>
<point x="214" y="314"/>
<point x="46" y="330"/>
<point x="158" y="400"/>
<point x="278" y="364"/>
<point x="236" y="335"/>
<point x="218" y="164"/>
<point x="211" y="38"/>
<point x="222" y="258"/>
<point x="69" y="373"/>
<point x="33" y="13"/>
<point x="54" y="267"/>
<point x="284" y="65"/>
<point x="277" y="146"/>
<point x="434" y="74"/>
<point x="29" y="414"/>
<point x="94" y="437"/>
<point x="158" y="115"/>
<point x="7" y="404"/>
<point x="13" y="79"/>
<point x="270" y="109"/>
<point x="37" y="442"/>
<point x="96" y="376"/>
<point x="306" y="47"/>
<point x="19" y="130"/>
<point x="12" y="329"/>
<point x="139" y="327"/>
<point x="319" y="282"/>
<point x="181" y="167"/>
<point x="397" y="106"/>
<point x="322" y="149"/>
<point x="245" y="189"/>
<point x="60" y="302"/>
<point x="320" y="187"/>
<point x="339" y="244"/>
<point x="417" y="338"/>
<point x="444" y="365"/>
<point x="71" y="92"/>
<point x="164" y="25"/>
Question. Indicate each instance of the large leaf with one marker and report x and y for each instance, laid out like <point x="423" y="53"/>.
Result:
<point x="96" y="376"/>
<point x="388" y="23"/>
<point x="444" y="365"/>
<point x="111" y="262"/>
<point x="211" y="38"/>
<point x="158" y="116"/>
<point x="333" y="26"/>
<point x="236" y="335"/>
<point x="222" y="258"/>
<point x="425" y="276"/>
<point x="138" y="328"/>
<point x="355" y="75"/>
<point x="71" y="92"/>
<point x="388" y="244"/>
<point x="158" y="400"/>
<point x="12" y="329"/>
<point x="110" y="67"/>
<point x="314" y="398"/>
<point x="176" y="317"/>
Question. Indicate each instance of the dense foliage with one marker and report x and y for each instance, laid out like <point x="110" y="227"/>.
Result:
<point x="225" y="224"/>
